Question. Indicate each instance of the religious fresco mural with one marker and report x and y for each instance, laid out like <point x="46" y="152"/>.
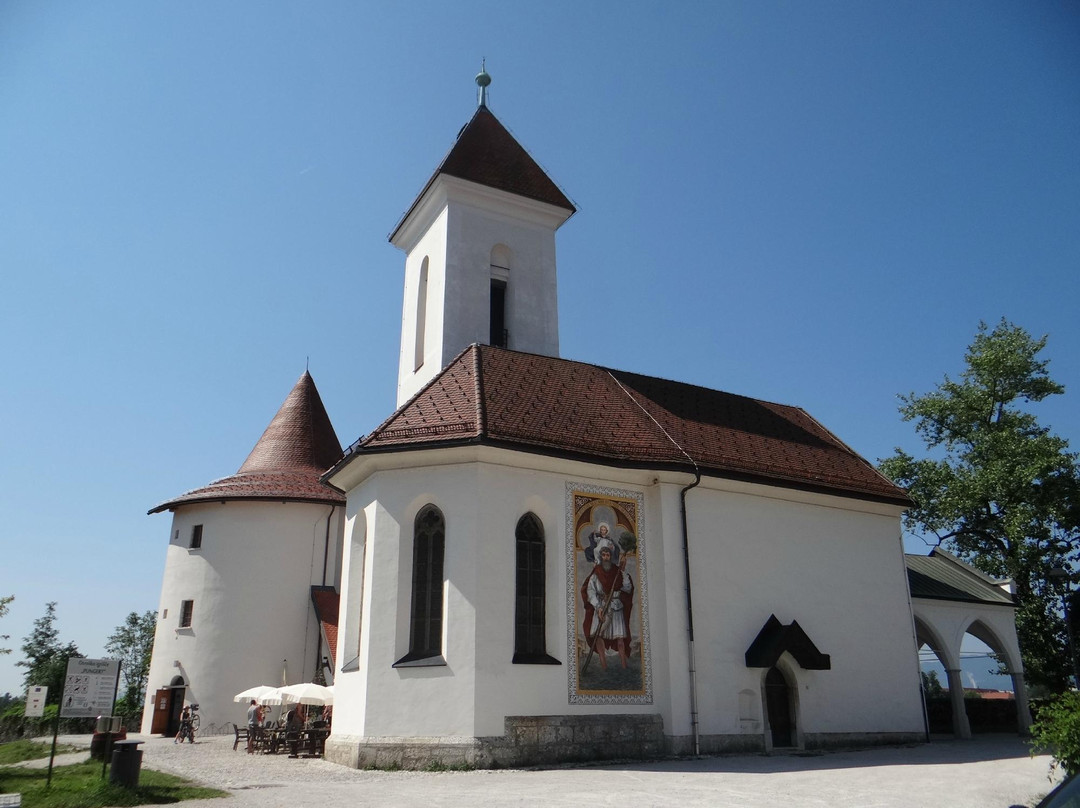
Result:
<point x="607" y="639"/>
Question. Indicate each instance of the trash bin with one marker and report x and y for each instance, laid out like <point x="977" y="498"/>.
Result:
<point x="126" y="763"/>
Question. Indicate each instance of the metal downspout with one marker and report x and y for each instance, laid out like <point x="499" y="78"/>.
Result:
<point x="686" y="565"/>
<point x="690" y="616"/>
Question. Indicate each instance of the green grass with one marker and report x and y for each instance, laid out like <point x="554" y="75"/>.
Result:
<point x="18" y="751"/>
<point x="81" y="786"/>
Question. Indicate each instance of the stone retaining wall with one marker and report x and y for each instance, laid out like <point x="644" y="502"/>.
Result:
<point x="529" y="740"/>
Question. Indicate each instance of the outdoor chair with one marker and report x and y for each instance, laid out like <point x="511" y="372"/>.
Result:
<point x="240" y="734"/>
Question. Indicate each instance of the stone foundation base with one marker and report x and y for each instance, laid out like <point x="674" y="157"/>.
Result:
<point x="529" y="741"/>
<point x="548" y="739"/>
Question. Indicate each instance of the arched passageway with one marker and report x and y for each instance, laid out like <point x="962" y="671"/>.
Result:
<point x="969" y="657"/>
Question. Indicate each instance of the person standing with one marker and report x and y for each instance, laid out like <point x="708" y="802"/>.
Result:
<point x="185" y="727"/>
<point x="253" y="722"/>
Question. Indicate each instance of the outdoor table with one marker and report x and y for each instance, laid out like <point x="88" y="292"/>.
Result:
<point x="312" y="741"/>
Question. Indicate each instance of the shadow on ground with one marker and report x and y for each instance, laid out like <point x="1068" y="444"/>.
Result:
<point x="938" y="752"/>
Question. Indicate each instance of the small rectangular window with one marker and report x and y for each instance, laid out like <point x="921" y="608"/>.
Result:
<point x="196" y="537"/>
<point x="186" y="608"/>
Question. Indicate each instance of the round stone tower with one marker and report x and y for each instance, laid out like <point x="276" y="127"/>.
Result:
<point x="252" y="565"/>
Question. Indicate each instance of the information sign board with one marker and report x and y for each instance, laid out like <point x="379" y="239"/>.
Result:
<point x="35" y="701"/>
<point x="89" y="688"/>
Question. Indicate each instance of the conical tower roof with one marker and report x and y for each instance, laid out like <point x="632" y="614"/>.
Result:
<point x="287" y="461"/>
<point x="299" y="438"/>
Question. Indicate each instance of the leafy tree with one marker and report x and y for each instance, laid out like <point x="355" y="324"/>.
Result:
<point x="46" y="658"/>
<point x="1057" y="731"/>
<point x="132" y="643"/>
<point x="4" y="610"/>
<point x="1000" y="490"/>
<point x="932" y="685"/>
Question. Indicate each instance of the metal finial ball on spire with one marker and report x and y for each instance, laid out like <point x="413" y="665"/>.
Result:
<point x="483" y="79"/>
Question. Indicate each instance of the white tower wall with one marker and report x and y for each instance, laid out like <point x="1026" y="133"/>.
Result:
<point x="252" y="617"/>
<point x="455" y="229"/>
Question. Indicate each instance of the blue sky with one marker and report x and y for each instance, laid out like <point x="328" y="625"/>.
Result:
<point x="807" y="203"/>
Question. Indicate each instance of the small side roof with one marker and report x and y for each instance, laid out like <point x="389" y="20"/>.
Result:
<point x="327" y="602"/>
<point x="943" y="576"/>
<point x="288" y="460"/>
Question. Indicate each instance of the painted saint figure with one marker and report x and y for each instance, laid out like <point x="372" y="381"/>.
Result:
<point x="601" y="533"/>
<point x="608" y="597"/>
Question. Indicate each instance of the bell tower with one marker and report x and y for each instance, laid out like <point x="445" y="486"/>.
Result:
<point x="479" y="244"/>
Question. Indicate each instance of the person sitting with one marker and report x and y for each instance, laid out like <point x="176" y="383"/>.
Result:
<point x="293" y="725"/>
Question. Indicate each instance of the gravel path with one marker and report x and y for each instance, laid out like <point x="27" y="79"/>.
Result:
<point x="991" y="771"/>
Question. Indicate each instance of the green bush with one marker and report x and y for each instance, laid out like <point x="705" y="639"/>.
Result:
<point x="1057" y="731"/>
<point x="13" y="725"/>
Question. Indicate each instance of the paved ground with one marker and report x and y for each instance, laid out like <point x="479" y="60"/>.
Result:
<point x="988" y="772"/>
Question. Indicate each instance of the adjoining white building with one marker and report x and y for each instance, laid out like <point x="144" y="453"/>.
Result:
<point x="536" y="559"/>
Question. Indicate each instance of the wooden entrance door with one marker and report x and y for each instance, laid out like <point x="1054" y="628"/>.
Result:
<point x="778" y="705"/>
<point x="159" y="725"/>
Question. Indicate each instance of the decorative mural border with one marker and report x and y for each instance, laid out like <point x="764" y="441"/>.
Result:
<point x="592" y="497"/>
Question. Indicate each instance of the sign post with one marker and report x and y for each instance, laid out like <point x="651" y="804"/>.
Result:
<point x="89" y="691"/>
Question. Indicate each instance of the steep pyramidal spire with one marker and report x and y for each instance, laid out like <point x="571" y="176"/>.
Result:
<point x="287" y="461"/>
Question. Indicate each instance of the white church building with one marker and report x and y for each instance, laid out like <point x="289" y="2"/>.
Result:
<point x="535" y="559"/>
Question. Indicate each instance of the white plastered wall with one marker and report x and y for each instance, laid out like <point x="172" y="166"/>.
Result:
<point x="251" y="586"/>
<point x="834" y="565"/>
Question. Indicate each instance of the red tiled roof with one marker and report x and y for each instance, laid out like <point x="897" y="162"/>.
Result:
<point x="327" y="603"/>
<point x="556" y="406"/>
<point x="486" y="153"/>
<point x="288" y="460"/>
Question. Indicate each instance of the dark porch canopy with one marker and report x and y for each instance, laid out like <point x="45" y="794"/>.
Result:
<point x="775" y="638"/>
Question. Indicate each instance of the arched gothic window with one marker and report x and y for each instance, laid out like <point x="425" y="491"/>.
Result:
<point x="530" y="606"/>
<point x="426" y="616"/>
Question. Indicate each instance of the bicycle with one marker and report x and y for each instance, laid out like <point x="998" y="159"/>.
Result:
<point x="189" y="724"/>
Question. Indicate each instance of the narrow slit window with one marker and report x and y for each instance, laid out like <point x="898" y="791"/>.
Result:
<point x="499" y="336"/>
<point x="421" y="316"/>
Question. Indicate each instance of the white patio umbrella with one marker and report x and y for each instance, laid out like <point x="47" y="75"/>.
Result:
<point x="272" y="697"/>
<point x="252" y="693"/>
<point x="307" y="693"/>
